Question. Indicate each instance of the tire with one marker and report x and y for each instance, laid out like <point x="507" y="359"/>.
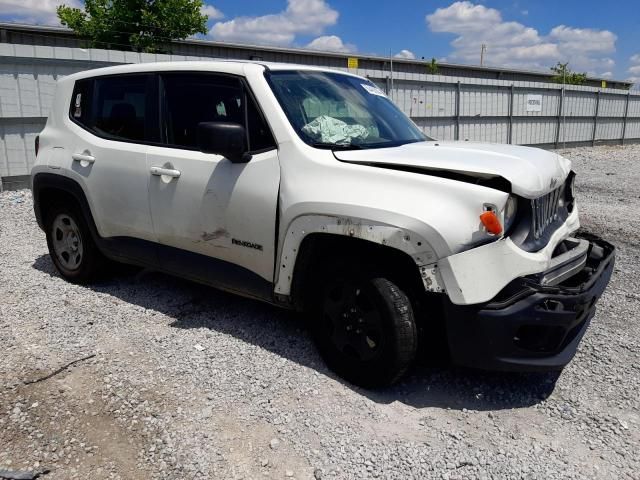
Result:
<point x="71" y="246"/>
<point x="364" y="329"/>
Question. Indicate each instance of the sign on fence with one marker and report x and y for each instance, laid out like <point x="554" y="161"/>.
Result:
<point x="534" y="103"/>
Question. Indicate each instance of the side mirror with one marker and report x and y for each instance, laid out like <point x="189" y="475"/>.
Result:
<point x="224" y="138"/>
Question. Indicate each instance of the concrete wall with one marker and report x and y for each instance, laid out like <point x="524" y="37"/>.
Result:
<point x="444" y="107"/>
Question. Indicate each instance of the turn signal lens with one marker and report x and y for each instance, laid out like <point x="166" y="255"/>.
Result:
<point x="491" y="222"/>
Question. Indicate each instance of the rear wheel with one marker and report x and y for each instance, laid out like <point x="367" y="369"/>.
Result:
<point x="71" y="246"/>
<point x="364" y="328"/>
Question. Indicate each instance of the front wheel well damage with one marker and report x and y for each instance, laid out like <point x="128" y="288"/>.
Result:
<point x="318" y="251"/>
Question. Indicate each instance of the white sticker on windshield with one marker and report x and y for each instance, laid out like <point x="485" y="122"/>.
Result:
<point x="373" y="90"/>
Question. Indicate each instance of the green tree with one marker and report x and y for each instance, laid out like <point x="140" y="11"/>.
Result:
<point x="432" y="67"/>
<point x="563" y="74"/>
<point x="140" y="25"/>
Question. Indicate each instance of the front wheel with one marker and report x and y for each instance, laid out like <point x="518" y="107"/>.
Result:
<point x="365" y="329"/>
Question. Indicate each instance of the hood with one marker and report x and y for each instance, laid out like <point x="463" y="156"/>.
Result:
<point x="532" y="172"/>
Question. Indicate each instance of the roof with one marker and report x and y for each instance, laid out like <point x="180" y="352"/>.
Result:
<point x="236" y="67"/>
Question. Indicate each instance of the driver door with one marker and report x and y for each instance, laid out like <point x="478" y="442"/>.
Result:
<point x="215" y="220"/>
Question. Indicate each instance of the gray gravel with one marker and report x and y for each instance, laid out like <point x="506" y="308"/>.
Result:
<point x="188" y="382"/>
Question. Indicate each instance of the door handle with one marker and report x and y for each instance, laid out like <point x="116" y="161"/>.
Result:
<point x="83" y="157"/>
<point x="168" y="172"/>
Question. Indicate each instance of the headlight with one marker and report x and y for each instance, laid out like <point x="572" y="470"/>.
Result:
<point x="510" y="211"/>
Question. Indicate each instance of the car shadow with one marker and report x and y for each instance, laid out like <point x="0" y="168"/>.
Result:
<point x="283" y="333"/>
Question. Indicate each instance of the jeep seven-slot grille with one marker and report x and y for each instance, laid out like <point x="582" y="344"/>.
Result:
<point x="545" y="211"/>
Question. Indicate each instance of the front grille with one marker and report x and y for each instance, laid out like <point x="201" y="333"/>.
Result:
<point x="545" y="211"/>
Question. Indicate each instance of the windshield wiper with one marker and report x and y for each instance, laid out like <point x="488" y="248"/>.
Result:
<point x="336" y="146"/>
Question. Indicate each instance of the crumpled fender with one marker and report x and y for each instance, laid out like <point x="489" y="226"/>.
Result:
<point x="403" y="239"/>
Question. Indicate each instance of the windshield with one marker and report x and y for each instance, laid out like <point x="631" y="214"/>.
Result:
<point x="331" y="110"/>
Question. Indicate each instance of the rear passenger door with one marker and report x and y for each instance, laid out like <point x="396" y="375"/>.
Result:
<point x="218" y="217"/>
<point x="113" y="118"/>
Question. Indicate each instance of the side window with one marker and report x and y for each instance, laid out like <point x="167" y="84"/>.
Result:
<point x="121" y="105"/>
<point x="260" y="137"/>
<point x="192" y="98"/>
<point x="80" y="108"/>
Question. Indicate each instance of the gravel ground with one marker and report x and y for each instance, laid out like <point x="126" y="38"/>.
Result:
<point x="188" y="382"/>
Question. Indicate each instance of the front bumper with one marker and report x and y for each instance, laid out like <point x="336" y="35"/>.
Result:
<point x="479" y="274"/>
<point x="531" y="325"/>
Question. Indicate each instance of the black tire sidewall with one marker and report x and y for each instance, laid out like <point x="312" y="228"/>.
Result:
<point x="399" y="331"/>
<point x="90" y="262"/>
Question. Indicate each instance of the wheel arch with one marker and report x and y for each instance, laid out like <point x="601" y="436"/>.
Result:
<point x="314" y="238"/>
<point x="48" y="189"/>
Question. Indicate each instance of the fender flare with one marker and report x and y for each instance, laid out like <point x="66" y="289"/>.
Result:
<point x="405" y="240"/>
<point x="43" y="180"/>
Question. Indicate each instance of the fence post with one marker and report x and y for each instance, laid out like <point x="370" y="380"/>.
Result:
<point x="560" y="109"/>
<point x="595" y="119"/>
<point x="457" y="131"/>
<point x="511" y="115"/>
<point x="624" y="120"/>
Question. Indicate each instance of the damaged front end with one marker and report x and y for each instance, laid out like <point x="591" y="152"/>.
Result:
<point x="537" y="321"/>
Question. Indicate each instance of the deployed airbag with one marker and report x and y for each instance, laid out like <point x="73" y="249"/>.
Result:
<point x="327" y="129"/>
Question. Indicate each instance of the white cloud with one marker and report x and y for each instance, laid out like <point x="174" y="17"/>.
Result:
<point x="634" y="70"/>
<point x="309" y="17"/>
<point x="408" y="54"/>
<point x="517" y="45"/>
<point x="212" y="12"/>
<point x="331" y="43"/>
<point x="34" y="11"/>
<point x="462" y="17"/>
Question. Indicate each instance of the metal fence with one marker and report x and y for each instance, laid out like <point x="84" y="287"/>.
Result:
<point x="545" y="115"/>
<point x="444" y="107"/>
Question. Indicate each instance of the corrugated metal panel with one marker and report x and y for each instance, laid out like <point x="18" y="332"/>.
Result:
<point x="634" y="106"/>
<point x="612" y="105"/>
<point x="17" y="139"/>
<point x="529" y="131"/>
<point x="485" y="130"/>
<point x="633" y="128"/>
<point x="609" y="129"/>
<point x="576" y="130"/>
<point x="425" y="100"/>
<point x="579" y="104"/>
<point x="26" y="90"/>
<point x="486" y="101"/>
<point x="441" y="129"/>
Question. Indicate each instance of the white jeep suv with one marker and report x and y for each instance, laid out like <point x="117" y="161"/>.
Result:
<point x="308" y="189"/>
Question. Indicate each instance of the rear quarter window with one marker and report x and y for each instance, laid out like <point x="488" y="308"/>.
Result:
<point x="119" y="107"/>
<point x="80" y="108"/>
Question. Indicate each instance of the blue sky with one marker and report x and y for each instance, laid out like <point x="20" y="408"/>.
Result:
<point x="600" y="37"/>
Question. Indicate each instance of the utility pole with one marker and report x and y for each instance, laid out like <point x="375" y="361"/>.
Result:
<point x="391" y="73"/>
<point x="564" y="115"/>
<point x="483" y="48"/>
